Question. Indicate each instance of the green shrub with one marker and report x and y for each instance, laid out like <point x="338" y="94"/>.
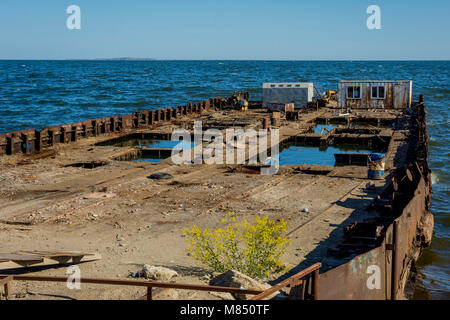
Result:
<point x="253" y="249"/>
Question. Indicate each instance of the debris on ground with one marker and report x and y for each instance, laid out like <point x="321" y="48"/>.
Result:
<point x="236" y="279"/>
<point x="160" y="176"/>
<point x="155" y="273"/>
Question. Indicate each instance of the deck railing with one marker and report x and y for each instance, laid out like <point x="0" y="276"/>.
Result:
<point x="293" y="281"/>
<point x="299" y="286"/>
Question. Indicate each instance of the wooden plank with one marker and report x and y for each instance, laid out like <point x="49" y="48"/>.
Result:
<point x="51" y="254"/>
<point x="6" y="280"/>
<point x="20" y="257"/>
<point x="24" y="261"/>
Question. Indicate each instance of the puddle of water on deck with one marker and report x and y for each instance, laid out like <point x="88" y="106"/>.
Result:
<point x="318" y="128"/>
<point x="165" y="146"/>
<point x="161" y="144"/>
<point x="298" y="154"/>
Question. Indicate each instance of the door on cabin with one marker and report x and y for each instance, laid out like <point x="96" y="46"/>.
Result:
<point x="400" y="93"/>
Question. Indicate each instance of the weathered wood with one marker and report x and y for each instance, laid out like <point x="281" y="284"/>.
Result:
<point x="39" y="259"/>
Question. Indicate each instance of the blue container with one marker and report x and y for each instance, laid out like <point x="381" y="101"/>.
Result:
<point x="375" y="166"/>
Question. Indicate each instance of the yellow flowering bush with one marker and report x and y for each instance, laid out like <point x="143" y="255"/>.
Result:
<point x="253" y="249"/>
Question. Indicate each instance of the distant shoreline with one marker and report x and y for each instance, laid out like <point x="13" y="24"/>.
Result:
<point x="113" y="59"/>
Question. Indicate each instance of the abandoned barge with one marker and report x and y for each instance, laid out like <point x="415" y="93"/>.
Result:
<point x="354" y="227"/>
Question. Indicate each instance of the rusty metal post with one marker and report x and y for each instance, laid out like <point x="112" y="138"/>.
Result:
<point x="316" y="285"/>
<point x="94" y="127"/>
<point x="38" y="145"/>
<point x="145" y="114"/>
<point x="26" y="142"/>
<point x="10" y="144"/>
<point x="67" y="134"/>
<point x="52" y="137"/>
<point x="158" y="115"/>
<point x="421" y="100"/>
<point x="5" y="282"/>
<point x="136" y="119"/>
<point x="276" y="118"/>
<point x="107" y="125"/>
<point x="84" y="130"/>
<point x="63" y="135"/>
<point x="149" y="293"/>
<point x="209" y="104"/>
<point x="6" y="286"/>
<point x="303" y="292"/>
<point x="113" y="124"/>
<point x="74" y="133"/>
<point x="394" y="285"/>
<point x="265" y="123"/>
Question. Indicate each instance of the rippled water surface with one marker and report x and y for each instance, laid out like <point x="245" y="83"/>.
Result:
<point x="36" y="94"/>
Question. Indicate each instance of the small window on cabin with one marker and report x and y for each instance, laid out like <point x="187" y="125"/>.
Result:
<point x="280" y="86"/>
<point x="354" y="92"/>
<point x="297" y="85"/>
<point x="289" y="85"/>
<point x="272" y="86"/>
<point x="378" y="92"/>
<point x="374" y="92"/>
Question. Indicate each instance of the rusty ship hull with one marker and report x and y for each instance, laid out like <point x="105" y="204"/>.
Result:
<point x="358" y="228"/>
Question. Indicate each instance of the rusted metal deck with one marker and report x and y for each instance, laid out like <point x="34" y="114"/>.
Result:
<point x="349" y="226"/>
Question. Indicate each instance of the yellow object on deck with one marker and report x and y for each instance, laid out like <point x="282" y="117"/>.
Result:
<point x="244" y="105"/>
<point x="330" y="95"/>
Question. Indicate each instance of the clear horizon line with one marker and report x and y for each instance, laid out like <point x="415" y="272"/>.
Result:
<point x="164" y="59"/>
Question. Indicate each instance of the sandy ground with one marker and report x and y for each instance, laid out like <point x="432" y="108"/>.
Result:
<point x="141" y="220"/>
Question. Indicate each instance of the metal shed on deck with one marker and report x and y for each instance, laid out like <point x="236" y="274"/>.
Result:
<point x="299" y="93"/>
<point x="375" y="94"/>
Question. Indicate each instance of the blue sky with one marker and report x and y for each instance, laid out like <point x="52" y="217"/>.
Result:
<point x="210" y="29"/>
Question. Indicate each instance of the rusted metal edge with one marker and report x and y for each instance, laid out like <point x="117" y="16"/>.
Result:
<point x="31" y="141"/>
<point x="136" y="283"/>
<point x="398" y="265"/>
<point x="259" y="294"/>
<point x="5" y="283"/>
<point x="293" y="280"/>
